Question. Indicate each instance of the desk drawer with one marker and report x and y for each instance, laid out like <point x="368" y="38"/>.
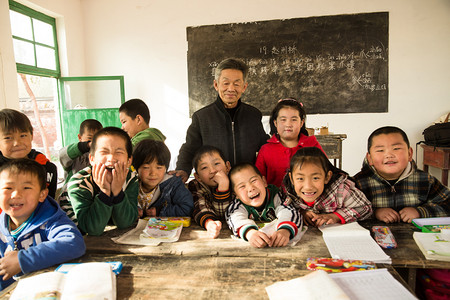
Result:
<point x="435" y="158"/>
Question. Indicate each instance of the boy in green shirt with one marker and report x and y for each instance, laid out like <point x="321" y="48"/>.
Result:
<point x="74" y="158"/>
<point x="106" y="190"/>
<point x="135" y="118"/>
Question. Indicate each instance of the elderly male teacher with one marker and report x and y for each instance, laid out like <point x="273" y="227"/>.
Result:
<point x="228" y="124"/>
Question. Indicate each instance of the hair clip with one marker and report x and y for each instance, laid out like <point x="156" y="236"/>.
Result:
<point x="291" y="99"/>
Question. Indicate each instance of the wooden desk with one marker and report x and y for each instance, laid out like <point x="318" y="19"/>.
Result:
<point x="332" y="145"/>
<point x="196" y="267"/>
<point x="438" y="157"/>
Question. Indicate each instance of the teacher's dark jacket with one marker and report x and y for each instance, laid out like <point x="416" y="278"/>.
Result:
<point x="239" y="139"/>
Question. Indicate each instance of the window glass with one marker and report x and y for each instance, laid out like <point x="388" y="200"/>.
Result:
<point x="21" y="25"/>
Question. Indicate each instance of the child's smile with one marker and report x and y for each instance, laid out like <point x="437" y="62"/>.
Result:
<point x="309" y="181"/>
<point x="249" y="187"/>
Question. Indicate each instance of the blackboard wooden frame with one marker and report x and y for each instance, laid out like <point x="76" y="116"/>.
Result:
<point x="333" y="64"/>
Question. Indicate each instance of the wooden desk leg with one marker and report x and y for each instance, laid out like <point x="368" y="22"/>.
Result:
<point x="412" y="278"/>
<point x="445" y="177"/>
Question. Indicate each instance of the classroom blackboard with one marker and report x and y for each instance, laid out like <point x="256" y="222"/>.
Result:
<point x="333" y="64"/>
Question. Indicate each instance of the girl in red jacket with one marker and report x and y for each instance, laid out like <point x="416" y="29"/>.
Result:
<point x="288" y="129"/>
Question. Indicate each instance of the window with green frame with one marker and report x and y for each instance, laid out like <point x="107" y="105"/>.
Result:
<point x="35" y="42"/>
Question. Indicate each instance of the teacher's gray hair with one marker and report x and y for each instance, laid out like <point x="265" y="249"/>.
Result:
<point x="231" y="63"/>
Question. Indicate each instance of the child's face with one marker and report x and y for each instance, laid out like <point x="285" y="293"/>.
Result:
<point x="87" y="135"/>
<point x="390" y="155"/>
<point x="208" y="166"/>
<point x="15" y="144"/>
<point x="150" y="175"/>
<point x="19" y="195"/>
<point x="110" y="149"/>
<point x="288" y="123"/>
<point x="249" y="187"/>
<point x="129" y="125"/>
<point x="309" y="181"/>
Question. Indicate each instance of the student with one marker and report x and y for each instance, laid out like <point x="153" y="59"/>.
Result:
<point x="106" y="190"/>
<point x="160" y="194"/>
<point x="288" y="129"/>
<point x="323" y="193"/>
<point x="16" y="137"/>
<point x="75" y="157"/>
<point x="34" y="233"/>
<point x="135" y="118"/>
<point x="391" y="181"/>
<point x="258" y="202"/>
<point x="210" y="188"/>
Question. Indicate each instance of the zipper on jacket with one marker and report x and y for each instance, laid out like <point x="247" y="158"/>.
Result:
<point x="234" y="142"/>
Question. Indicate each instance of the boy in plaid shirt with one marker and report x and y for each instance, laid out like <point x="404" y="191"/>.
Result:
<point x="391" y="181"/>
<point x="210" y="189"/>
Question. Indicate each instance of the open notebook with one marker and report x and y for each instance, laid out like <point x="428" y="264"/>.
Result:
<point x="318" y="285"/>
<point x="352" y="241"/>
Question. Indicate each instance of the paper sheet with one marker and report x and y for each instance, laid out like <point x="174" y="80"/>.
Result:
<point x="352" y="241"/>
<point x="372" y="284"/>
<point x="362" y="285"/>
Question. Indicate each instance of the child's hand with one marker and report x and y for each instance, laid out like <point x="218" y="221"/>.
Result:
<point x="280" y="238"/>
<point x="309" y="216"/>
<point x="407" y="214"/>
<point x="140" y="212"/>
<point x="9" y="265"/>
<point x="151" y="212"/>
<point x="223" y="183"/>
<point x="213" y="228"/>
<point x="258" y="239"/>
<point x="101" y="178"/>
<point x="325" y="219"/>
<point x="387" y="215"/>
<point x="119" y="175"/>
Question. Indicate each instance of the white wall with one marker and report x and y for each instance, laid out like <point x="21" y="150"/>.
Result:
<point x="145" y="40"/>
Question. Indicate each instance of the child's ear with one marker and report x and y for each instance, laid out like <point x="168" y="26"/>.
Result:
<point x="130" y="160"/>
<point x="328" y="177"/>
<point x="197" y="177"/>
<point x="369" y="159"/>
<point x="42" y="195"/>
<point x="410" y="154"/>
<point x="91" y="159"/>
<point x="228" y="165"/>
<point x="264" y="180"/>
<point x="79" y="137"/>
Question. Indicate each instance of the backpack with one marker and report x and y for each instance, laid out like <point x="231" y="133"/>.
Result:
<point x="438" y="135"/>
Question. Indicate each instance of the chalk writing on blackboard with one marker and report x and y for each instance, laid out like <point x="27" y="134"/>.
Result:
<point x="333" y="64"/>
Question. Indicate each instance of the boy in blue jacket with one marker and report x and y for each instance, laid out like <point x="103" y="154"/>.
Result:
<point x="34" y="232"/>
<point x="160" y="194"/>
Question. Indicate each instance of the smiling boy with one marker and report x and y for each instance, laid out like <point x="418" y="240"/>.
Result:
<point x="135" y="119"/>
<point x="210" y="189"/>
<point x="106" y="190"/>
<point x="258" y="202"/>
<point x="16" y="138"/>
<point x="34" y="233"/>
<point x="391" y="181"/>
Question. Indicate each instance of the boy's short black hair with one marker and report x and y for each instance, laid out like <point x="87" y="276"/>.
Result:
<point x="26" y="166"/>
<point x="386" y="130"/>
<point x="241" y="166"/>
<point x="12" y="120"/>
<point x="91" y="125"/>
<point x="112" y="131"/>
<point x="134" y="107"/>
<point x="146" y="151"/>
<point x="204" y="150"/>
